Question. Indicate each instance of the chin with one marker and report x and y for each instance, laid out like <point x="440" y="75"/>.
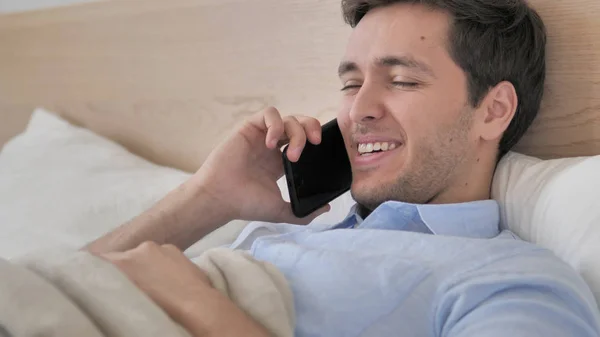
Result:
<point x="367" y="182"/>
<point x="371" y="192"/>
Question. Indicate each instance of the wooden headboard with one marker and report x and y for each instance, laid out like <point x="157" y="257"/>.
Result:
<point x="169" y="79"/>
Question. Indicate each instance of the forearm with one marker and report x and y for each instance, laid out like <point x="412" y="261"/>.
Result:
<point x="211" y="314"/>
<point x="182" y="218"/>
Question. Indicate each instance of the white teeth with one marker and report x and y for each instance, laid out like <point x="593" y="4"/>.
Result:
<point x="370" y="147"/>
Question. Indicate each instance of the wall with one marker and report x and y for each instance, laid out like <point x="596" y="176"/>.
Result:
<point x="11" y="6"/>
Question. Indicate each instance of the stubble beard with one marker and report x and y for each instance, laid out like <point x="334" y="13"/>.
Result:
<point x="428" y="173"/>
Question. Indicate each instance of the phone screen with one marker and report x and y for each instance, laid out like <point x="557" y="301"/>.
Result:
<point x="322" y="173"/>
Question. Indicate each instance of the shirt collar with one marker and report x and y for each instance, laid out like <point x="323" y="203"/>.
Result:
<point x="477" y="219"/>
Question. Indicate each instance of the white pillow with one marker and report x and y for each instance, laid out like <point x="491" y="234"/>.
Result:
<point x="554" y="204"/>
<point x="61" y="185"/>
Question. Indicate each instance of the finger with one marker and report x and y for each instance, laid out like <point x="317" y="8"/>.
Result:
<point x="119" y="260"/>
<point x="312" y="128"/>
<point x="146" y="246"/>
<point x="178" y="257"/>
<point x="269" y="121"/>
<point x="295" y="132"/>
<point x="113" y="256"/>
<point x="312" y="216"/>
<point x="275" y="127"/>
<point x="171" y="249"/>
<point x="283" y="141"/>
<point x="174" y="253"/>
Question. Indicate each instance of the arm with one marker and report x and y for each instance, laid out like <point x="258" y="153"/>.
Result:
<point x="519" y="306"/>
<point x="210" y="313"/>
<point x="183" y="217"/>
<point x="237" y="181"/>
<point x="188" y="298"/>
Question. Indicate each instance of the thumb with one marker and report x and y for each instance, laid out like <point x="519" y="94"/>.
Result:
<point x="291" y="218"/>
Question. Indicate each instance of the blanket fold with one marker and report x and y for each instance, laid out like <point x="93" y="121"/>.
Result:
<point x="75" y="294"/>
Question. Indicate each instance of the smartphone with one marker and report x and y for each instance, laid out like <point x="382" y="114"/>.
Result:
<point x="322" y="173"/>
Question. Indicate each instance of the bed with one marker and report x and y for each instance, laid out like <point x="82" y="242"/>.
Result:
<point x="167" y="80"/>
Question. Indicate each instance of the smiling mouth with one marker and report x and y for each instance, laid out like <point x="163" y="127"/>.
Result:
<point x="365" y="149"/>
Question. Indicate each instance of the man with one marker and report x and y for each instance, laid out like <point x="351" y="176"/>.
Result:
<point x="442" y="88"/>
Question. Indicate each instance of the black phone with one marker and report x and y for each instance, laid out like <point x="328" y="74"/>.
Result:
<point x="322" y="173"/>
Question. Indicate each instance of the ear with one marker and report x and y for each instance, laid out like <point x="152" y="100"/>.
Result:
<point x="497" y="111"/>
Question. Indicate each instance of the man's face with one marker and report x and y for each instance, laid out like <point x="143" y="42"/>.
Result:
<point x="405" y="115"/>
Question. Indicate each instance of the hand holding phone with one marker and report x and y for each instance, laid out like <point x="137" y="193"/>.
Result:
<point x="322" y="173"/>
<point x="241" y="173"/>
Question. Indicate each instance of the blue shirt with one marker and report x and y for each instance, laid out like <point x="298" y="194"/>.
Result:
<point x="424" y="270"/>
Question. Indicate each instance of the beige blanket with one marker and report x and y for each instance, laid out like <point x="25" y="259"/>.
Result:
<point x="76" y="294"/>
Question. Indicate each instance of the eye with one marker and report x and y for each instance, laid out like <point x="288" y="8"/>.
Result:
<point x="406" y="85"/>
<point x="351" y="86"/>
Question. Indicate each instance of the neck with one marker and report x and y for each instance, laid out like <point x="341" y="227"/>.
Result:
<point x="473" y="181"/>
<point x="362" y="211"/>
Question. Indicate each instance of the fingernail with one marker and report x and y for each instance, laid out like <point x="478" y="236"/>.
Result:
<point x="297" y="152"/>
<point x="317" y="136"/>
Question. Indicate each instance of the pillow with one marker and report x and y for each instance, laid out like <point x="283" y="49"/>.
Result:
<point x="61" y="185"/>
<point x="554" y="204"/>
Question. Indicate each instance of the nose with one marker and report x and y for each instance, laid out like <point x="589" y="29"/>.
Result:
<point x="367" y="105"/>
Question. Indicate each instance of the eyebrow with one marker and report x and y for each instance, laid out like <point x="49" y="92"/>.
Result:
<point x="388" y="62"/>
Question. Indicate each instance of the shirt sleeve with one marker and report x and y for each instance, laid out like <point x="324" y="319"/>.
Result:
<point x="551" y="302"/>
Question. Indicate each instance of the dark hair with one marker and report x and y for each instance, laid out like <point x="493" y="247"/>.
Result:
<point x="492" y="41"/>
